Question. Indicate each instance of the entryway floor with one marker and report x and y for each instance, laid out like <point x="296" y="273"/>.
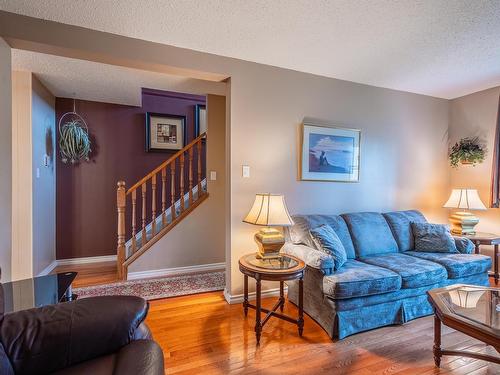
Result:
<point x="91" y="274"/>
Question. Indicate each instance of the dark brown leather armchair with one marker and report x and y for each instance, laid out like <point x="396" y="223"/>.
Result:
<point x="97" y="336"/>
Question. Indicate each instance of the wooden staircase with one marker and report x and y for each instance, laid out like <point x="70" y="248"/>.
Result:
<point x="165" y="210"/>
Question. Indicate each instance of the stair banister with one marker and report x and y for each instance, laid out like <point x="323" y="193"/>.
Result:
<point x="121" y="205"/>
<point x="167" y="162"/>
<point x="151" y="231"/>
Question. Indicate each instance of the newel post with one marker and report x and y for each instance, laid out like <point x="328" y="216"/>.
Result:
<point x="120" y="253"/>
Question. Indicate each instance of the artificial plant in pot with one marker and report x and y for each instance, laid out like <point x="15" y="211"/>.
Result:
<point x="467" y="151"/>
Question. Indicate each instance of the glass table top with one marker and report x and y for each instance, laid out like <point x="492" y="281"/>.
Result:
<point x="474" y="303"/>
<point x="36" y="292"/>
<point x="283" y="262"/>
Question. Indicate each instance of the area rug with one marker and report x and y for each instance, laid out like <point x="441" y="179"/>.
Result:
<point x="164" y="287"/>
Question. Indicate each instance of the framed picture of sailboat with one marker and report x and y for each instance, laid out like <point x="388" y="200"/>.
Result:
<point x="329" y="153"/>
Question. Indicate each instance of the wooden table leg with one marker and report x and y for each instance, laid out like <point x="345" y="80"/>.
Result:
<point x="437" y="341"/>
<point x="300" y="322"/>
<point x="282" y="295"/>
<point x="495" y="265"/>
<point x="245" y="295"/>
<point x="258" y="326"/>
<point x="476" y="247"/>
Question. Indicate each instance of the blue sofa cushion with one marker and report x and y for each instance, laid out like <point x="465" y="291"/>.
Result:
<point x="327" y="240"/>
<point x="299" y="232"/>
<point x="414" y="272"/>
<point x="370" y="234"/>
<point x="400" y="223"/>
<point x="358" y="302"/>
<point x="457" y="265"/>
<point x="434" y="238"/>
<point x="357" y="279"/>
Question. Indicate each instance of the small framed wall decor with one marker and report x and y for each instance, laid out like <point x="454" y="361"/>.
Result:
<point x="165" y="132"/>
<point x="200" y="119"/>
<point x="329" y="153"/>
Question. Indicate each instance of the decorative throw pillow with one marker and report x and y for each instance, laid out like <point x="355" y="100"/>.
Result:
<point x="464" y="245"/>
<point x="328" y="241"/>
<point x="433" y="238"/>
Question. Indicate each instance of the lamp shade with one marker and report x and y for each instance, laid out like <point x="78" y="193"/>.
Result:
<point x="269" y="210"/>
<point x="465" y="198"/>
<point x="466" y="297"/>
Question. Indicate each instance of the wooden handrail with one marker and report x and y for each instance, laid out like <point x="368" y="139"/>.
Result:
<point x="165" y="163"/>
<point x="152" y="232"/>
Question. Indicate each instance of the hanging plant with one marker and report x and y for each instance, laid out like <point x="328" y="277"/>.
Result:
<point x="468" y="151"/>
<point x="74" y="140"/>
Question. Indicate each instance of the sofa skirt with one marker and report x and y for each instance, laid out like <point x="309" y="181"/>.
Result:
<point x="375" y="313"/>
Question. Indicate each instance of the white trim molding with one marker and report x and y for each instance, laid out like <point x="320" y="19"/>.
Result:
<point x="72" y="261"/>
<point x="238" y="298"/>
<point x="176" y="271"/>
<point x="48" y="269"/>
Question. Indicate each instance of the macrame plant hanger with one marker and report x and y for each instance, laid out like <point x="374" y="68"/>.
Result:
<point x="74" y="140"/>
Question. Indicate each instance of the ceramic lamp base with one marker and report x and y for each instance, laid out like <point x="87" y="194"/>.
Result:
<point x="463" y="222"/>
<point x="270" y="242"/>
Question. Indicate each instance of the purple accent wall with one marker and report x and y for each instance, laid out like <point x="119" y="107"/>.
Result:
<point x="86" y="193"/>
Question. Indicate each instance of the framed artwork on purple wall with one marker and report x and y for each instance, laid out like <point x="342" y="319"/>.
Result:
<point x="165" y="132"/>
<point x="200" y="119"/>
<point x="329" y="153"/>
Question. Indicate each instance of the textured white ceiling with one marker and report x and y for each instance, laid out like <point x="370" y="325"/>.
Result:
<point x="88" y="80"/>
<point x="444" y="48"/>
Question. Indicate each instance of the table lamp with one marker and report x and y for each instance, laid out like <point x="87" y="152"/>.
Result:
<point x="463" y="221"/>
<point x="269" y="210"/>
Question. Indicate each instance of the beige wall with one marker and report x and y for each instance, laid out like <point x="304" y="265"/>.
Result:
<point x="22" y="182"/>
<point x="33" y="196"/>
<point x="5" y="161"/>
<point x="403" y="148"/>
<point x="404" y="136"/>
<point x="470" y="116"/>
<point x="199" y="238"/>
<point x="44" y="181"/>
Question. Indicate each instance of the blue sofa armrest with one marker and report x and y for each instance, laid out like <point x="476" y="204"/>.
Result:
<point x="464" y="245"/>
<point x="311" y="257"/>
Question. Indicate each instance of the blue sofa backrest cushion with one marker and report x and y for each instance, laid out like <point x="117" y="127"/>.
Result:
<point x="400" y="223"/>
<point x="370" y="234"/>
<point x="299" y="232"/>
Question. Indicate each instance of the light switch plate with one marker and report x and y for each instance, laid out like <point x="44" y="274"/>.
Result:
<point x="37" y="172"/>
<point x="213" y="175"/>
<point x="246" y="171"/>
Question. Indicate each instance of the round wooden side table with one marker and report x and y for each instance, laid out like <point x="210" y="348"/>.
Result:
<point x="491" y="239"/>
<point x="281" y="269"/>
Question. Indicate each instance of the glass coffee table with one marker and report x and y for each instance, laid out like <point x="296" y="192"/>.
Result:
<point x="469" y="309"/>
<point x="36" y="292"/>
<point x="282" y="268"/>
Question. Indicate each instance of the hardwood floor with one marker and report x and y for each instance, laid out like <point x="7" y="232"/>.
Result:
<point x="91" y="274"/>
<point x="203" y="334"/>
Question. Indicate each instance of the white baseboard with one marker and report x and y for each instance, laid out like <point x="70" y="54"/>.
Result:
<point x="48" y="269"/>
<point x="176" y="271"/>
<point x="238" y="298"/>
<point x="72" y="261"/>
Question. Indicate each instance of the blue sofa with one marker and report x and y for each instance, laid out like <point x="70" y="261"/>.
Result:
<point x="384" y="281"/>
